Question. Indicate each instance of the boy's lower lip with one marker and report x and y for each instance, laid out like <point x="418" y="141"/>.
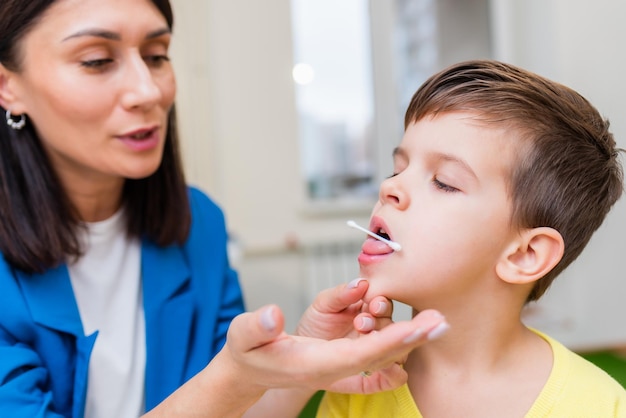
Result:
<point x="373" y="251"/>
<point x="368" y="259"/>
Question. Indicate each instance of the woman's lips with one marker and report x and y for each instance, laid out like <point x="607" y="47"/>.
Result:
<point x="141" y="140"/>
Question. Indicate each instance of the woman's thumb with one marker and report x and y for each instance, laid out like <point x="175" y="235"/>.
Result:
<point x="253" y="329"/>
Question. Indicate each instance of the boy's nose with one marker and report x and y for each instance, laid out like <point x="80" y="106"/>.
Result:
<point x="392" y="193"/>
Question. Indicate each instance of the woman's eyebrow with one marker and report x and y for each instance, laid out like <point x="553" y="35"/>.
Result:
<point x="107" y="34"/>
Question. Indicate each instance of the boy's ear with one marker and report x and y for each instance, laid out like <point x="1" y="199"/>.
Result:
<point x="8" y="97"/>
<point x="531" y="256"/>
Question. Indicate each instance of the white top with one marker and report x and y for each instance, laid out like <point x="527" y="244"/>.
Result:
<point x="107" y="285"/>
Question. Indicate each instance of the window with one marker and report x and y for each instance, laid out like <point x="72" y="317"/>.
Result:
<point x="357" y="65"/>
<point x="415" y="45"/>
<point x="334" y="96"/>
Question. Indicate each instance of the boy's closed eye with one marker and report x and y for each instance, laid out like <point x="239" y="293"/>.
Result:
<point x="443" y="186"/>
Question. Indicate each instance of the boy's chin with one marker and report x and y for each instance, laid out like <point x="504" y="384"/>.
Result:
<point x="376" y="288"/>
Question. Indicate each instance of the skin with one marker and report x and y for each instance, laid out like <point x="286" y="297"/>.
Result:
<point x="448" y="205"/>
<point x="94" y="73"/>
<point x="446" y="191"/>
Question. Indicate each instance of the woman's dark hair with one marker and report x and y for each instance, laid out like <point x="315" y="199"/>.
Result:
<point x="38" y="223"/>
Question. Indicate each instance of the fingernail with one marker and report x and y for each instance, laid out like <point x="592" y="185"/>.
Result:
<point x="267" y="319"/>
<point x="414" y="336"/>
<point x="366" y="323"/>
<point x="382" y="307"/>
<point x="354" y="283"/>
<point x="438" y="331"/>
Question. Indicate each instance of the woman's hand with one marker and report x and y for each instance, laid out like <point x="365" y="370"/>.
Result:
<point x="340" y="312"/>
<point x="327" y="354"/>
<point x="322" y="356"/>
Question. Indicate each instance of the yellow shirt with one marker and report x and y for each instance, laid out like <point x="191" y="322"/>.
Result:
<point x="576" y="388"/>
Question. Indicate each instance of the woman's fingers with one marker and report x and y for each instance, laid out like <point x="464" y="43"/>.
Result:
<point x="263" y="352"/>
<point x="376" y="315"/>
<point x="250" y="330"/>
<point x="397" y="339"/>
<point x="332" y="313"/>
<point x="339" y="298"/>
<point x="378" y="353"/>
<point x="380" y="307"/>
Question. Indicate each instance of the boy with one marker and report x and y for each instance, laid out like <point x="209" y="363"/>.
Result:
<point x="500" y="180"/>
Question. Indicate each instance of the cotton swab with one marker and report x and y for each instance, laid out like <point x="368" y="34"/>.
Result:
<point x="393" y="245"/>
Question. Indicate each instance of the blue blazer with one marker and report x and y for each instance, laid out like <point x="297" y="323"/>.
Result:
<point x="190" y="295"/>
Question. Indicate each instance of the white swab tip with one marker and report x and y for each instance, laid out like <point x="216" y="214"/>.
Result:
<point x="393" y="245"/>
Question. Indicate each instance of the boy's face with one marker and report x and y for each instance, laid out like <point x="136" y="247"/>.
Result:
<point x="448" y="205"/>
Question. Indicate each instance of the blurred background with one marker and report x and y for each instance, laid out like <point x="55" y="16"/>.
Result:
<point x="289" y="111"/>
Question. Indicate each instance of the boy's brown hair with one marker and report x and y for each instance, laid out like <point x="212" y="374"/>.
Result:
<point x="568" y="174"/>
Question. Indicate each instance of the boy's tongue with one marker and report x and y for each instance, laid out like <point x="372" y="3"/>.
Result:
<point x="373" y="246"/>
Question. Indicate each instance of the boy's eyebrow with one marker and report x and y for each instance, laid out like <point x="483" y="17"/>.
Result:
<point x="107" y="34"/>
<point x="456" y="160"/>
<point x="441" y="156"/>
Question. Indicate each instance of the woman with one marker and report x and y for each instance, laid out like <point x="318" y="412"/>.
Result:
<point x="116" y="287"/>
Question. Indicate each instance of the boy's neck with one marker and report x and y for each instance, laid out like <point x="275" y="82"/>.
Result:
<point x="479" y="364"/>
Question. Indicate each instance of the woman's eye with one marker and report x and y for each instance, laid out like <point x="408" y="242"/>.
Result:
<point x="156" y="60"/>
<point x="443" y="186"/>
<point x="97" y="63"/>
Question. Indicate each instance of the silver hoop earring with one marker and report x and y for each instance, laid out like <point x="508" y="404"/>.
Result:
<point x="15" y="124"/>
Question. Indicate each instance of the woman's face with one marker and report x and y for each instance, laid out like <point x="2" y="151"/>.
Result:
<point x="96" y="83"/>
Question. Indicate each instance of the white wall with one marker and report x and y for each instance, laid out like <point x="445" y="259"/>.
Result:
<point x="238" y="122"/>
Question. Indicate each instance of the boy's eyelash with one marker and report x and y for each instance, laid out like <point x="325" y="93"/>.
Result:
<point x="444" y="187"/>
<point x="438" y="184"/>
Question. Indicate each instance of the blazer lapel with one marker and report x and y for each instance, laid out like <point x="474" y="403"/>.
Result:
<point x="51" y="300"/>
<point x="168" y="307"/>
<point x="169" y="313"/>
<point x="52" y="304"/>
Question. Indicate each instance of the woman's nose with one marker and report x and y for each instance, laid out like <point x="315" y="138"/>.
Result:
<point x="141" y="89"/>
<point x="392" y="193"/>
